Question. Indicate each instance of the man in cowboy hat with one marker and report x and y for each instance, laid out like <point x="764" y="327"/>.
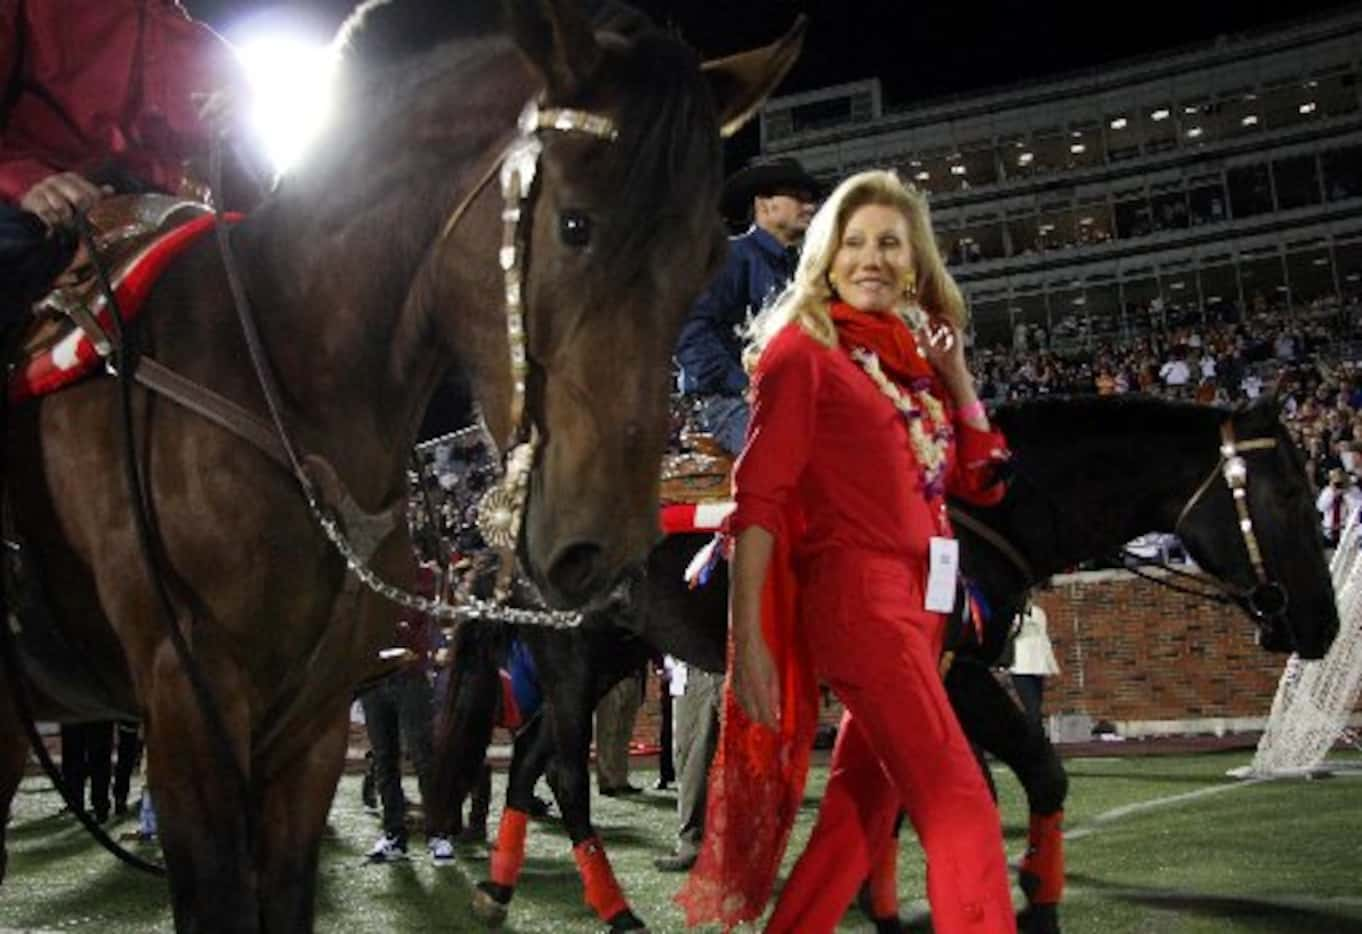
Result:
<point x="779" y="197"/>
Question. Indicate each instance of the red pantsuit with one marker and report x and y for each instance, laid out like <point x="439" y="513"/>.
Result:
<point x="827" y="446"/>
<point x="899" y="746"/>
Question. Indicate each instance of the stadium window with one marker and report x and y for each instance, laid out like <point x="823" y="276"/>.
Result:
<point x="1348" y="257"/>
<point x="1169" y="208"/>
<point x="1161" y="130"/>
<point x="1206" y="200"/>
<point x="1281" y="105"/>
<point x="1050" y="151"/>
<point x="1250" y="189"/>
<point x="1132" y="215"/>
<point x="1337" y="92"/>
<point x="1342" y="173"/>
<point x="1123" y="135"/>
<point x="1297" y="182"/>
<point x="1311" y="273"/>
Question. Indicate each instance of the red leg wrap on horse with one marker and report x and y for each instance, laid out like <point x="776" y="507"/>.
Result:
<point x="884" y="883"/>
<point x="1045" y="858"/>
<point x="509" y="854"/>
<point x="602" y="891"/>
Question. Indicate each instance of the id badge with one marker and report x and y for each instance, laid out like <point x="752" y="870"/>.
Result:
<point x="943" y="572"/>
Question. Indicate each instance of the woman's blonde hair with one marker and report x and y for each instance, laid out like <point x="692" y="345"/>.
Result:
<point x="807" y="297"/>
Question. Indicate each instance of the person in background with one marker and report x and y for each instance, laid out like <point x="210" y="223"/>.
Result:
<point x="696" y="695"/>
<point x="615" y="715"/>
<point x="1033" y="660"/>
<point x="1337" y="503"/>
<point x="666" y="765"/>
<point x="100" y="97"/>
<point x="398" y="714"/>
<point x="779" y="196"/>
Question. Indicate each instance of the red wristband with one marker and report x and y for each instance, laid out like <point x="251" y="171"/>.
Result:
<point x="972" y="412"/>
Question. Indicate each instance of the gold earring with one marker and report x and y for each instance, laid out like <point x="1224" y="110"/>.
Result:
<point x="910" y="285"/>
<point x="832" y="279"/>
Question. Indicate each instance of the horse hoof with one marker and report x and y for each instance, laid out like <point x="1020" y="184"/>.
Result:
<point x="1039" y="919"/>
<point x="626" y="920"/>
<point x="486" y="907"/>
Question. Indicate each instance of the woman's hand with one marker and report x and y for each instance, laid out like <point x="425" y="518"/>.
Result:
<point x="756" y="683"/>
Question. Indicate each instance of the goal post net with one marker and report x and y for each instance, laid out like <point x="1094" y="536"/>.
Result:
<point x="1316" y="699"/>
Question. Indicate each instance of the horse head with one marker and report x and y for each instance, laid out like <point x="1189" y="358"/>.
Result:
<point x="621" y="233"/>
<point x="1270" y="552"/>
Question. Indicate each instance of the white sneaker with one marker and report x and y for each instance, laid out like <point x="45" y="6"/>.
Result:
<point x="386" y="849"/>
<point x="441" y="850"/>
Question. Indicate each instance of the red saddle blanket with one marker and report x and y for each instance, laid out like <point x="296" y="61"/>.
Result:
<point x="679" y="518"/>
<point x="74" y="355"/>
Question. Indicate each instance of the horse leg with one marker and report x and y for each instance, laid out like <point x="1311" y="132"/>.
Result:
<point x="201" y="811"/>
<point x="568" y="708"/>
<point x="532" y="749"/>
<point x="991" y="719"/>
<point x="293" y="810"/>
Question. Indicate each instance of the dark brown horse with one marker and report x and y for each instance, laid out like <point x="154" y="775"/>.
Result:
<point x="1090" y="475"/>
<point x="369" y="288"/>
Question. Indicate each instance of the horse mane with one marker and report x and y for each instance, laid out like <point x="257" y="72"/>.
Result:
<point x="1065" y="418"/>
<point x="381" y="32"/>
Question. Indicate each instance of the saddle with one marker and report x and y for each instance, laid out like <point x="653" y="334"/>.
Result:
<point x="125" y="228"/>
<point x="695" y="469"/>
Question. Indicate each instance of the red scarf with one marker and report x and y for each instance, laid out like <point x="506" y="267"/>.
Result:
<point x="888" y="337"/>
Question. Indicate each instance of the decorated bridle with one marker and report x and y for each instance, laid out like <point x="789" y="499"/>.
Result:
<point x="501" y="510"/>
<point x="1267" y="600"/>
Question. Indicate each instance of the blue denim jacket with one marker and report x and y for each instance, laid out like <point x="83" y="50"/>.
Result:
<point x="709" y="350"/>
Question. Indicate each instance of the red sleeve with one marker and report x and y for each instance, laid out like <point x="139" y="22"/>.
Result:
<point x="20" y="168"/>
<point x="779" y="434"/>
<point x="973" y="476"/>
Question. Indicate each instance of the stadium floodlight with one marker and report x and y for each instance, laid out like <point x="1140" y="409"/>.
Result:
<point x="290" y="80"/>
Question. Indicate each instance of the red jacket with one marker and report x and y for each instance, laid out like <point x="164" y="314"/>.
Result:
<point x="87" y="82"/>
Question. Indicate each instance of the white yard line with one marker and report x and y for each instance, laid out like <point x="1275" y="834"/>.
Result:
<point x="1095" y="824"/>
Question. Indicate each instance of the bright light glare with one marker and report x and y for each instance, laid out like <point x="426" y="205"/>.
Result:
<point x="291" y="83"/>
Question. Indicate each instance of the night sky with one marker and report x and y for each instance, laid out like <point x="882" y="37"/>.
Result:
<point x="920" y="51"/>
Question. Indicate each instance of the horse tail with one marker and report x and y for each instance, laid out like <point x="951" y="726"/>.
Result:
<point x="467" y="715"/>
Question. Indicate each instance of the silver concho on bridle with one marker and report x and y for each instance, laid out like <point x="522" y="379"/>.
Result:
<point x="501" y="510"/>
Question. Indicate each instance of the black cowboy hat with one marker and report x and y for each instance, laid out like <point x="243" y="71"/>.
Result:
<point x="767" y="177"/>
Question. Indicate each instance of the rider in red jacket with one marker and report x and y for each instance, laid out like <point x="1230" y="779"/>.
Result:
<point x="97" y="95"/>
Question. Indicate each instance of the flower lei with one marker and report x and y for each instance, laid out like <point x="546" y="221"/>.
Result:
<point x="929" y="431"/>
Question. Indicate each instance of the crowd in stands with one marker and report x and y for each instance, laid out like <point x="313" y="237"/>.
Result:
<point x="1310" y="356"/>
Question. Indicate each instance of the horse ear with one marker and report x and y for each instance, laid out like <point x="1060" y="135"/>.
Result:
<point x="556" y="37"/>
<point x="741" y="82"/>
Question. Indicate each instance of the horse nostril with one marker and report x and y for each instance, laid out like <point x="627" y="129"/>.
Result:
<point x="574" y="570"/>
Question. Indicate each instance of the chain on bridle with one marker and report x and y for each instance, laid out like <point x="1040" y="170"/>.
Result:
<point x="1267" y="599"/>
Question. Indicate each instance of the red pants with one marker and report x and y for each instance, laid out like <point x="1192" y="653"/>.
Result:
<point x="900" y="746"/>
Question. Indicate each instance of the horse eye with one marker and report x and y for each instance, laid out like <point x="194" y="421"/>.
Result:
<point x="574" y="229"/>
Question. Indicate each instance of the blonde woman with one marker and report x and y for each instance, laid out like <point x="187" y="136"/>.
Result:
<point x="864" y="417"/>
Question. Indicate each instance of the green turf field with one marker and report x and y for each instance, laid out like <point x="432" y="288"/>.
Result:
<point x="1158" y="844"/>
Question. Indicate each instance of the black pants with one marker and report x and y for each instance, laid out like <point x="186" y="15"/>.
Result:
<point x="666" y="766"/>
<point x="129" y="758"/>
<point x="397" y="714"/>
<point x="86" y="756"/>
